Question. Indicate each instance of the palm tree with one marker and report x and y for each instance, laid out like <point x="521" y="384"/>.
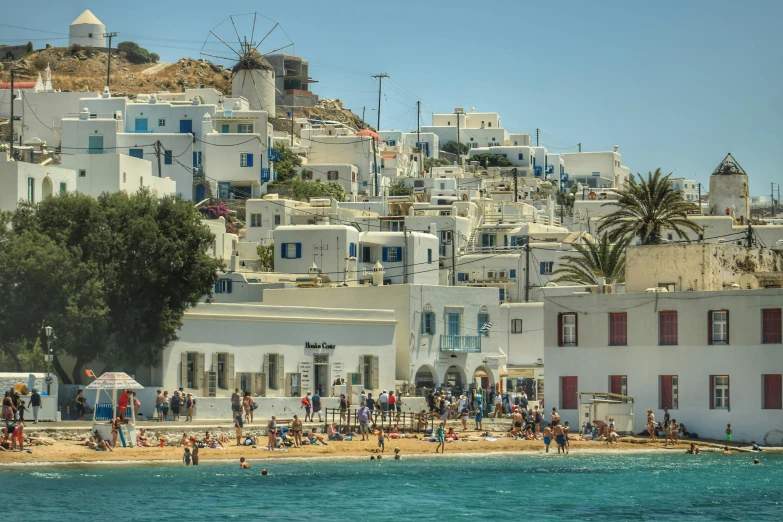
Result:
<point x="594" y="259"/>
<point x="648" y="207"/>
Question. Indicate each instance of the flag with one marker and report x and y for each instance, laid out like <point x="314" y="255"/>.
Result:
<point x="485" y="328"/>
<point x="89" y="373"/>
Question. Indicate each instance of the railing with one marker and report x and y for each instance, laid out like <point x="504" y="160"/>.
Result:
<point x="266" y="174"/>
<point x="460" y="343"/>
<point x="404" y="421"/>
<point x="134" y="131"/>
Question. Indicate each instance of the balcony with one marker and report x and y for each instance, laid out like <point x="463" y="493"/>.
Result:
<point x="460" y="343"/>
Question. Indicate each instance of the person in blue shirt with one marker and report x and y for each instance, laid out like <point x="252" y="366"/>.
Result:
<point x="316" y="406"/>
<point x="479" y="411"/>
<point x="441" y="438"/>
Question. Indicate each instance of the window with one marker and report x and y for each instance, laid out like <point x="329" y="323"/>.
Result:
<point x="452" y="323"/>
<point x="245" y="128"/>
<point x="245" y="159"/>
<point x="569" y="399"/>
<point x="392" y="254"/>
<point x="136" y="153"/>
<point x="718" y="327"/>
<point x="521" y="156"/>
<point x="277" y="219"/>
<point x="482" y="320"/>
<point x="168" y="157"/>
<point x="546" y="267"/>
<point x="95" y="145"/>
<point x="223" y="286"/>
<point x="429" y="255"/>
<point x="773" y="391"/>
<point x="502" y="294"/>
<point x="308" y="174"/>
<point x="567" y="330"/>
<point x="272" y="369"/>
<point x="63" y="188"/>
<point x="771" y="326"/>
<point x="255" y="220"/>
<point x="667" y="328"/>
<point x="191" y="369"/>
<point x="332" y="175"/>
<point x="669" y="391"/>
<point x="516" y="326"/>
<point x="719" y="392"/>
<point x="222" y="370"/>
<point x="512" y="274"/>
<point x="162" y="122"/>
<point x="291" y="251"/>
<point x="82" y="173"/>
<point x="618" y="329"/>
<point x="225" y="128"/>
<point x="618" y="384"/>
<point x="428" y="323"/>
<point x="462" y="276"/>
<point x="31" y="190"/>
<point x="366" y="254"/>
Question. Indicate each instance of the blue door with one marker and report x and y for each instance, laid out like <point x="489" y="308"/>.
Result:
<point x="141" y="124"/>
<point x="95" y="145"/>
<point x="200" y="192"/>
<point x="452" y="323"/>
<point x="186" y="126"/>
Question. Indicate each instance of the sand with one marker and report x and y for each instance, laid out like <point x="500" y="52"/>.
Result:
<point x="71" y="452"/>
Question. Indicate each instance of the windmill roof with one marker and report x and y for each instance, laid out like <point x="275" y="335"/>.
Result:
<point x="252" y="60"/>
<point x="729" y="166"/>
<point x="87" y="18"/>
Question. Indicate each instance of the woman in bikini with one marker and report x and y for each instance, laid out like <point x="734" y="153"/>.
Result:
<point x="651" y="425"/>
<point x="142" y="440"/>
<point x="296" y="428"/>
<point x="116" y="426"/>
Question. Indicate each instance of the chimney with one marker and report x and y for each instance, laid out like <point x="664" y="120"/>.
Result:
<point x="377" y="274"/>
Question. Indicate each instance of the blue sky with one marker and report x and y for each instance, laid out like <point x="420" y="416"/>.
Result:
<point x="676" y="84"/>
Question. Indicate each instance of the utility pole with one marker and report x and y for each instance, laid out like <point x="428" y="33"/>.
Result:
<point x="291" y="113"/>
<point x="157" y="152"/>
<point x="516" y="191"/>
<point x="108" y="72"/>
<point x="404" y="254"/>
<point x="453" y="254"/>
<point x="580" y="147"/>
<point x="749" y="237"/>
<point x="527" y="269"/>
<point x="13" y="96"/>
<point x="537" y="136"/>
<point x="380" y="78"/>
<point x="458" y="112"/>
<point x="418" y="135"/>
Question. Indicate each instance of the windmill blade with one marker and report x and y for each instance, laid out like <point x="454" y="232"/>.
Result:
<point x="216" y="56"/>
<point x="237" y="33"/>
<point x="280" y="48"/>
<point x="253" y="32"/>
<point x="224" y="43"/>
<point x="267" y="34"/>
<point x="270" y="83"/>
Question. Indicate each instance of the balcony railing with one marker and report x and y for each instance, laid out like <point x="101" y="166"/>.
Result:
<point x="460" y="343"/>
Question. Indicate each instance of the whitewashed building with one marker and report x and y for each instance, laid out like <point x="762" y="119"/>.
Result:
<point x="20" y="181"/>
<point x="109" y="173"/>
<point x="596" y="169"/>
<point x="343" y="173"/>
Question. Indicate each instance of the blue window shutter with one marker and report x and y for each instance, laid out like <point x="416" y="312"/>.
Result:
<point x="502" y="294"/>
<point x="283" y="250"/>
<point x="298" y="250"/>
<point x="217" y="287"/>
<point x="432" y="322"/>
<point x="429" y="255"/>
<point x="512" y="273"/>
<point x="484" y="239"/>
<point x="168" y="157"/>
<point x="521" y="156"/>
<point x="385" y="254"/>
<point x="424" y="322"/>
<point x="513" y="240"/>
<point x="136" y="153"/>
<point x="542" y="268"/>
<point x="228" y="286"/>
<point x="224" y="128"/>
<point x="399" y="254"/>
<point x="249" y="160"/>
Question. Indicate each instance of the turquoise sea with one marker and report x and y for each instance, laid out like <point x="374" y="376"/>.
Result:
<point x="605" y="487"/>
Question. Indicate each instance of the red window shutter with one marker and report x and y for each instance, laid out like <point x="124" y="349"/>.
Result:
<point x="576" y="331"/>
<point x="667" y="327"/>
<point x="712" y="392"/>
<point x="616" y="384"/>
<point x="666" y="391"/>
<point x="773" y="391"/>
<point x="709" y="327"/>
<point x="618" y="329"/>
<point x="771" y="326"/>
<point x="560" y="329"/>
<point x="568" y="393"/>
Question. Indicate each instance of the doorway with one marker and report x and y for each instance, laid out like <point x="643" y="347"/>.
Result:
<point x="321" y="382"/>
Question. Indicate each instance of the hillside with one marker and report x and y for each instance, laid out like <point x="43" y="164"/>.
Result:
<point x="85" y="70"/>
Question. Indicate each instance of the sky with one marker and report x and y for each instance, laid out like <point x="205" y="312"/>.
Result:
<point x="676" y="84"/>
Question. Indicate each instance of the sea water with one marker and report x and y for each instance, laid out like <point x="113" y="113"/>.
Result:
<point x="613" y="487"/>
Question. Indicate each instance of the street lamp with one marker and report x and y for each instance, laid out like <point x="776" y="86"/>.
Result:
<point x="49" y="338"/>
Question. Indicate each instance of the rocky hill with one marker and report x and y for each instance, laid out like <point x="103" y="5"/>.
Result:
<point x="84" y="69"/>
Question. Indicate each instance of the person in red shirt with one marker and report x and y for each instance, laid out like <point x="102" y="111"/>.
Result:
<point x="392" y="407"/>
<point x="123" y="404"/>
<point x="307" y="405"/>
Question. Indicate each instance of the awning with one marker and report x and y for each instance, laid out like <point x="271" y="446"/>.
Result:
<point x="115" y="381"/>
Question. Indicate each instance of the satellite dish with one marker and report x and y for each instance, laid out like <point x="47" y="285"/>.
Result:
<point x="749" y="282"/>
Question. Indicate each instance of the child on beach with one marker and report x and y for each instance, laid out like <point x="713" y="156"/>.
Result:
<point x="186" y="457"/>
<point x="194" y="454"/>
<point x="547" y="438"/>
<point x="381" y="440"/>
<point x="728" y="432"/>
<point x="441" y="438"/>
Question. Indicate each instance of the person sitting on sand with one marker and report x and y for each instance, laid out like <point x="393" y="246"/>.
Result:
<point x="693" y="450"/>
<point x="184" y="441"/>
<point x="683" y="431"/>
<point x="101" y="444"/>
<point x="333" y="433"/>
<point x="611" y="436"/>
<point x="421" y="420"/>
<point x="451" y="435"/>
<point x="316" y="437"/>
<point x="754" y="446"/>
<point x="39" y="441"/>
<point x="142" y="440"/>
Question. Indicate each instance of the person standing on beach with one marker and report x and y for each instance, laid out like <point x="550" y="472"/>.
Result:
<point x="398" y="405"/>
<point x="441" y="438"/>
<point x="498" y="401"/>
<point x="560" y="438"/>
<point x="35" y="403"/>
<point x="384" y="400"/>
<point x="176" y="403"/>
<point x="81" y="402"/>
<point x="728" y="432"/>
<point x="307" y="405"/>
<point x="364" y="421"/>
<point x="651" y="425"/>
<point x="194" y="454"/>
<point x="235" y="402"/>
<point x="189" y="403"/>
<point x="296" y="428"/>
<point x="316" y="406"/>
<point x="343" y="409"/>
<point x="166" y="404"/>
<point x="362" y="396"/>
<point x="479" y="412"/>
<point x="159" y="405"/>
<point x="371" y="406"/>
<point x="537" y="419"/>
<point x="516" y="424"/>
<point x="547" y="438"/>
<point x="238" y="425"/>
<point x="271" y="433"/>
<point x="186" y="457"/>
<point x="381" y="440"/>
<point x="392" y="405"/>
<point x="666" y="416"/>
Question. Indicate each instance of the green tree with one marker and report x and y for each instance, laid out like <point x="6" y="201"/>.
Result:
<point x="455" y="148"/>
<point x="430" y="162"/>
<point x="492" y="160"/>
<point x="287" y="166"/>
<point x="398" y="188"/>
<point x="593" y="259"/>
<point x="29" y="48"/>
<point x="127" y="47"/>
<point x="154" y="57"/>
<point x="266" y="256"/>
<point x="138" y="264"/>
<point x="139" y="55"/>
<point x="647" y="207"/>
<point x="303" y="190"/>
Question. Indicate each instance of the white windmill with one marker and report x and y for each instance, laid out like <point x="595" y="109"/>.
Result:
<point x="252" y="76"/>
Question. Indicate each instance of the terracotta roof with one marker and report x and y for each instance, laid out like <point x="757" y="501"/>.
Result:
<point x="18" y="85"/>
